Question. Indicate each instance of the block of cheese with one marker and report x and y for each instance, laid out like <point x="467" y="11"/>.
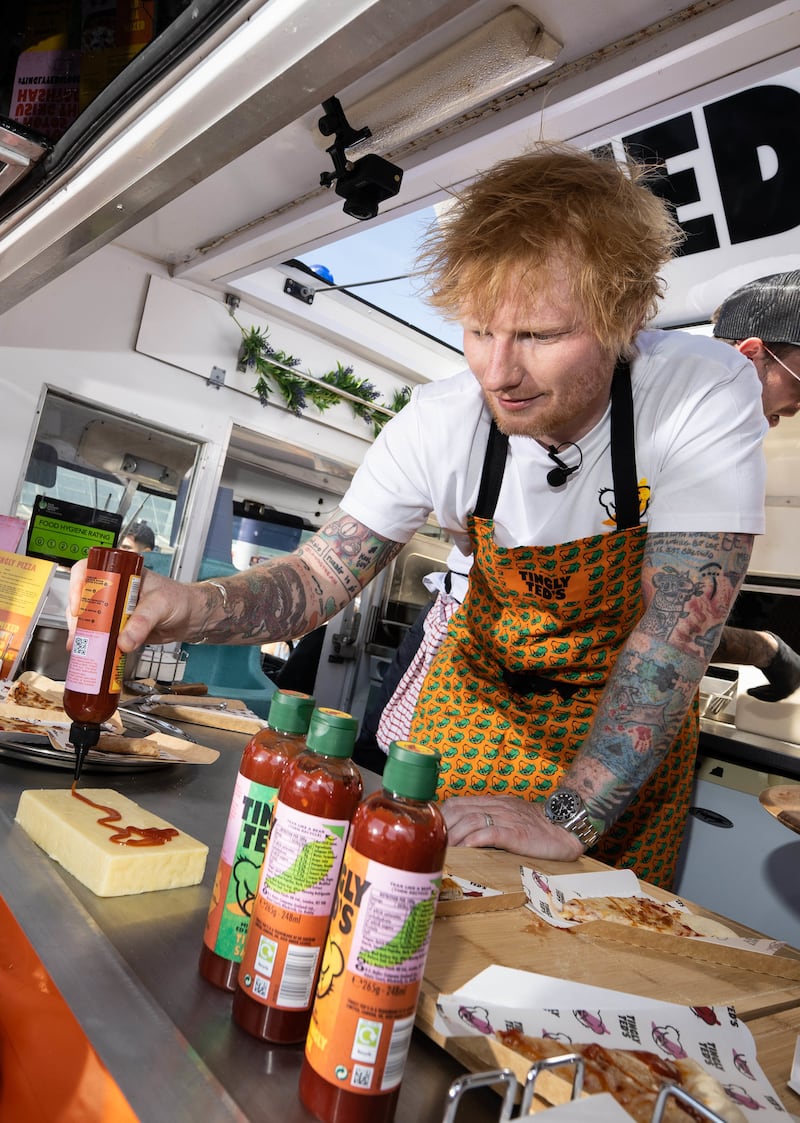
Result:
<point x="68" y="830"/>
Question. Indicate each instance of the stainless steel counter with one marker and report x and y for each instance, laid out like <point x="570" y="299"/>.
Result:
<point x="722" y="739"/>
<point x="127" y="966"/>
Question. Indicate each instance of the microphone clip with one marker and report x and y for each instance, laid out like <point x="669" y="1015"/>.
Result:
<point x="559" y="475"/>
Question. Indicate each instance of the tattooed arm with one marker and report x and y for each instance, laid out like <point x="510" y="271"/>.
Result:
<point x="689" y="583"/>
<point x="281" y="599"/>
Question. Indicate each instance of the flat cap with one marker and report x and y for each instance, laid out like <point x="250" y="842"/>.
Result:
<point x="768" y="308"/>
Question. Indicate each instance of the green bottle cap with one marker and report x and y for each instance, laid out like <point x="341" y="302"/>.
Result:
<point x="332" y="732"/>
<point x="290" y="711"/>
<point x="412" y="770"/>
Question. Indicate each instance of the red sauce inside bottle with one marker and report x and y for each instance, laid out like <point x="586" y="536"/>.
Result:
<point x="405" y="834"/>
<point x="326" y="786"/>
<point x="264" y="761"/>
<point x="103" y="613"/>
<point x="127" y="835"/>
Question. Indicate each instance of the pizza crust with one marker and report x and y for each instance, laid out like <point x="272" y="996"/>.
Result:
<point x="702" y="1085"/>
<point x="36" y="691"/>
<point x="13" y="716"/>
<point x="450" y="890"/>
<point x="130" y="746"/>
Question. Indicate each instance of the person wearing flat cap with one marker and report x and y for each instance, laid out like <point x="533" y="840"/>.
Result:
<point x="762" y="319"/>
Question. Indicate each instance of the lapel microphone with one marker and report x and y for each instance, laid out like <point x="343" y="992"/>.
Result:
<point x="559" y="475"/>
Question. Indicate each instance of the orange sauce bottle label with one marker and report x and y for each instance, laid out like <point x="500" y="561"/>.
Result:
<point x="292" y="910"/>
<point x="118" y="668"/>
<point x="371" y="974"/>
<point x="93" y="632"/>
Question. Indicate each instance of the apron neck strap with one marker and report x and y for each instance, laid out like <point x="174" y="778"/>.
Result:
<point x="494" y="463"/>
<point x="623" y="450"/>
<point x="623" y="457"/>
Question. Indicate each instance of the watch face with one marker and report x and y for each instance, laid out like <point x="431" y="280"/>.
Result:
<point x="562" y="805"/>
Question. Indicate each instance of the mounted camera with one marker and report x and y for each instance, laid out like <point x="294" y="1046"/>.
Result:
<point x="368" y="182"/>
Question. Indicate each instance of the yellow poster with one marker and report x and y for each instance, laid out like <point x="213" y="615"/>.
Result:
<point x="24" y="583"/>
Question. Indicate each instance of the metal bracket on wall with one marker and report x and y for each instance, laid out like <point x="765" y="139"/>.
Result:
<point x="298" y="291"/>
<point x="216" y="378"/>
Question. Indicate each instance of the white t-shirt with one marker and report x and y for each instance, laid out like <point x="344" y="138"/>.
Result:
<point x="456" y="577"/>
<point x="699" y="427"/>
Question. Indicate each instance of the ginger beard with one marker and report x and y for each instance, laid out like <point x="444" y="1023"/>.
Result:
<point x="543" y="372"/>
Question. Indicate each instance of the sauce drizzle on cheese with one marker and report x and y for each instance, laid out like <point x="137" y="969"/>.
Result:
<point x="126" y="835"/>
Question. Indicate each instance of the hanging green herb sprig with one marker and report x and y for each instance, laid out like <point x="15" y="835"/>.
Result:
<point x="277" y="370"/>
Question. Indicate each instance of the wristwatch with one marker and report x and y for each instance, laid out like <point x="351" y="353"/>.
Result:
<point x="565" y="808"/>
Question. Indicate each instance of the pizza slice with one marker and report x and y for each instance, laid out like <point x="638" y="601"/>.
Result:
<point x="26" y="724"/>
<point x="636" y="912"/>
<point x="450" y="890"/>
<point x="633" y="1077"/>
<point x="36" y="698"/>
<point x="36" y="692"/>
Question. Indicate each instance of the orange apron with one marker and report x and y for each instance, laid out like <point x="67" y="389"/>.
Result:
<point x="512" y="693"/>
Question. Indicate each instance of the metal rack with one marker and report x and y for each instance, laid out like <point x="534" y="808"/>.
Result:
<point x="506" y="1078"/>
<point x="164" y="663"/>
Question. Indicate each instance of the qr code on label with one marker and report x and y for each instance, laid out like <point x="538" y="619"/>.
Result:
<point x="80" y="645"/>
<point x="362" y="1076"/>
<point x="260" y="986"/>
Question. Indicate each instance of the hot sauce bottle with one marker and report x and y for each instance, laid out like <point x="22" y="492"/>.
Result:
<point x="318" y="795"/>
<point x="374" y="957"/>
<point x="96" y="665"/>
<point x="261" y="770"/>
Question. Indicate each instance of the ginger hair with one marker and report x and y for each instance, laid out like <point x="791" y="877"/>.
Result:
<point x="519" y="222"/>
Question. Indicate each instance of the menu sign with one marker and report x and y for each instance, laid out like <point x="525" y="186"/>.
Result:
<point x="23" y="588"/>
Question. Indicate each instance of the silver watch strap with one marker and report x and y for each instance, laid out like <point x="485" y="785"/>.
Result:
<point x="582" y="827"/>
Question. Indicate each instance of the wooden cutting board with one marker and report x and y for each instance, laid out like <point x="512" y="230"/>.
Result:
<point x="234" y="717"/>
<point x="661" y="969"/>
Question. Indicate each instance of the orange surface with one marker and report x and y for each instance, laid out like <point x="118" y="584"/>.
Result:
<point x="49" y="1072"/>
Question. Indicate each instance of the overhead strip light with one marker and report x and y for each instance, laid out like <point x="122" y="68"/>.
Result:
<point x="501" y="55"/>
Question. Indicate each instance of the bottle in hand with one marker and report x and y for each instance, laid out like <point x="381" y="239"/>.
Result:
<point x="96" y="665"/>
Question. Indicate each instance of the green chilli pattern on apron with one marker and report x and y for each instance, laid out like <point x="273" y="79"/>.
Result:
<point x="560" y="613"/>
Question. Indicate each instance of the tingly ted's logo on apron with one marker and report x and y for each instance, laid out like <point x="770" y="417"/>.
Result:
<point x="544" y="585"/>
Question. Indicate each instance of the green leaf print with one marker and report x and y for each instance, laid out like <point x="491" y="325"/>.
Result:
<point x="407" y="942"/>
<point x="309" y="868"/>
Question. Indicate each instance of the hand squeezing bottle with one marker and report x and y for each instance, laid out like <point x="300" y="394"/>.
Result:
<point x="96" y="664"/>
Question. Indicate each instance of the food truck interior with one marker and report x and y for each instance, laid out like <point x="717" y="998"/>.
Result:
<point x="235" y="196"/>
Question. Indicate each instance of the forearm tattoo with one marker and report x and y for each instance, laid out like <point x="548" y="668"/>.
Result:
<point x="689" y="583"/>
<point x="288" y="597"/>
